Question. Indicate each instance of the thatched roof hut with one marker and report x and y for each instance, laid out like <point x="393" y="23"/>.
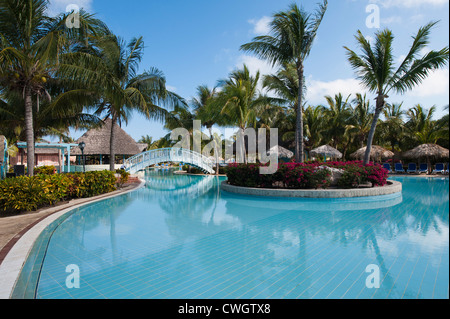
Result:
<point x="326" y="150"/>
<point x="376" y="153"/>
<point x="98" y="141"/>
<point x="426" y="151"/>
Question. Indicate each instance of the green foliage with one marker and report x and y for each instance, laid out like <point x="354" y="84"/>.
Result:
<point x="311" y="175"/>
<point x="30" y="193"/>
<point x="45" y="170"/>
<point x="123" y="178"/>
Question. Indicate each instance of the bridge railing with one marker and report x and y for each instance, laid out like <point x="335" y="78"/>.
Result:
<point x="153" y="157"/>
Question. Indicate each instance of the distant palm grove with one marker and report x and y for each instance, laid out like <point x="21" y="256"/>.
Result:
<point x="53" y="78"/>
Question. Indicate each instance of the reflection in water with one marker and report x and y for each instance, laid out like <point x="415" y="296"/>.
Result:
<point x="181" y="237"/>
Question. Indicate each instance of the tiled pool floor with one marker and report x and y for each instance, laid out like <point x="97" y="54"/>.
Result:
<point x="180" y="237"/>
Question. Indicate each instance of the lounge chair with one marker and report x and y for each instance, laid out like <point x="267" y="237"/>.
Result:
<point x="423" y="168"/>
<point x="399" y="168"/>
<point x="439" y="168"/>
<point x="412" y="168"/>
<point x="387" y="166"/>
<point x="446" y="171"/>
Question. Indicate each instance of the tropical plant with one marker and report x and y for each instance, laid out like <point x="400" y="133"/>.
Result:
<point x="421" y="128"/>
<point x="360" y="119"/>
<point x="338" y="114"/>
<point x="116" y="89"/>
<point x="31" y="46"/>
<point x="292" y="35"/>
<point x="241" y="101"/>
<point x="375" y="68"/>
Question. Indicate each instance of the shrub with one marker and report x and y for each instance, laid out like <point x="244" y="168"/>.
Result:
<point x="30" y="193"/>
<point x="123" y="178"/>
<point x="45" y="170"/>
<point x="310" y="175"/>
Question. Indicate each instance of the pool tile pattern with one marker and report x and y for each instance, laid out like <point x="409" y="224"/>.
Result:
<point x="192" y="241"/>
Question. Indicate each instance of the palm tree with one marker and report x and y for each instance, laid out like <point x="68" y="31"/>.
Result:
<point x="421" y="127"/>
<point x="240" y="100"/>
<point x="375" y="68"/>
<point x="115" y="87"/>
<point x="338" y="114"/>
<point x="31" y="46"/>
<point x="392" y="128"/>
<point x="315" y="125"/>
<point x="293" y="33"/>
<point x="360" y="120"/>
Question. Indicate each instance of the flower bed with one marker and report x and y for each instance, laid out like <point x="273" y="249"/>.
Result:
<point x="312" y="175"/>
<point x="30" y="193"/>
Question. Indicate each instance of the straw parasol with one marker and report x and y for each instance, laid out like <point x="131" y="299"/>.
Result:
<point x="282" y="152"/>
<point x="327" y="151"/>
<point x="427" y="150"/>
<point x="376" y="153"/>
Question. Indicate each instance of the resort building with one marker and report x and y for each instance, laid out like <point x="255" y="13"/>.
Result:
<point x="97" y="147"/>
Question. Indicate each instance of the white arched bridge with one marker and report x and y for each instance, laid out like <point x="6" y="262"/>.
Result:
<point x="164" y="155"/>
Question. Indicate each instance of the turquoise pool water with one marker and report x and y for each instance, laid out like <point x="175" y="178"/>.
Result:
<point x="181" y="237"/>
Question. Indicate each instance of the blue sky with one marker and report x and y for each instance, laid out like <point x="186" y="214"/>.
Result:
<point x="197" y="42"/>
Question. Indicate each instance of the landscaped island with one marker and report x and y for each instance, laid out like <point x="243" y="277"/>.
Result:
<point x="315" y="179"/>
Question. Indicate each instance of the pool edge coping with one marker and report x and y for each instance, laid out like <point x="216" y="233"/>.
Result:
<point x="12" y="264"/>
<point x="395" y="187"/>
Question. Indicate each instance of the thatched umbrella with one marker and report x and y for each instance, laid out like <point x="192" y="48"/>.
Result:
<point x="427" y="151"/>
<point x="327" y="151"/>
<point x="376" y="153"/>
<point x="282" y="152"/>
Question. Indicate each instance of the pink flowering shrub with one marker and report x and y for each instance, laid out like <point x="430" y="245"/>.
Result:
<point x="306" y="175"/>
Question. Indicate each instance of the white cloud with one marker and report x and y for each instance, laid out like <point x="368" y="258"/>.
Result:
<point x="317" y="90"/>
<point x="171" y="88"/>
<point x="59" y="6"/>
<point x="436" y="83"/>
<point x="261" y="26"/>
<point x="391" y="20"/>
<point x="254" y="64"/>
<point x="409" y="3"/>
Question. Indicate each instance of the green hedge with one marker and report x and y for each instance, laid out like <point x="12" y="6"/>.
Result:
<point x="30" y="193"/>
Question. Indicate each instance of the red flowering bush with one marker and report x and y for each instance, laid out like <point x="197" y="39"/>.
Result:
<point x="311" y="175"/>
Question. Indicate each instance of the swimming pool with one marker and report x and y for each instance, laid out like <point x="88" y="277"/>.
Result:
<point x="181" y="237"/>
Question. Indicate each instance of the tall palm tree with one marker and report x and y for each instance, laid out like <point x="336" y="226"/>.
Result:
<point x="375" y="68"/>
<point x="293" y="33"/>
<point x="31" y="46"/>
<point x="115" y="87"/>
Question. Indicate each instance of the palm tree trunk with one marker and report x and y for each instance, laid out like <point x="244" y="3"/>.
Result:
<point x="378" y="109"/>
<point x="299" y="146"/>
<point x="112" y="146"/>
<point x="29" y="130"/>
